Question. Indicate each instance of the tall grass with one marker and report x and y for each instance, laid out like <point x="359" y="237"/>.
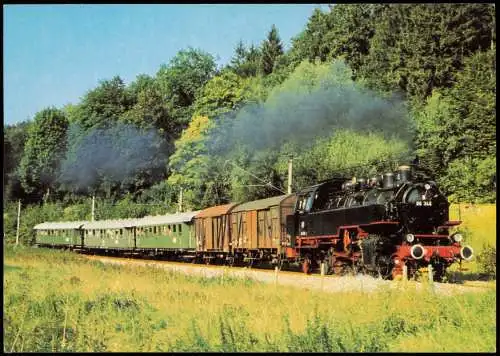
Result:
<point x="478" y="222"/>
<point x="479" y="230"/>
<point x="58" y="301"/>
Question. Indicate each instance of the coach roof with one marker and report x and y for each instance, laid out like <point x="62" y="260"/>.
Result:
<point x="60" y="225"/>
<point x="110" y="224"/>
<point x="167" y="219"/>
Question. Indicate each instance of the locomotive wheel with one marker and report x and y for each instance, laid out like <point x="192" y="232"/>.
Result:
<point x="397" y="273"/>
<point x="439" y="272"/>
<point x="306" y="265"/>
<point x="339" y="268"/>
<point x="384" y="271"/>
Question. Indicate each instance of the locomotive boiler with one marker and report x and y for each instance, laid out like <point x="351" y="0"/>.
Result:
<point x="376" y="225"/>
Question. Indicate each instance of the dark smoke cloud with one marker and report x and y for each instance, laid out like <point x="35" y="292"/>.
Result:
<point x="302" y="117"/>
<point x="113" y="154"/>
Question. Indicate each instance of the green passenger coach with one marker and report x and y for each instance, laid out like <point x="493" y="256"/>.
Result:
<point x="59" y="234"/>
<point x="173" y="231"/>
<point x="109" y="234"/>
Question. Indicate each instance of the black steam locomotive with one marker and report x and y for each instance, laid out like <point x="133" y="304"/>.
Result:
<point x="377" y="225"/>
<point x="384" y="225"/>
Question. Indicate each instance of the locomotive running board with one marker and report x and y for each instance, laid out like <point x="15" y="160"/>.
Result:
<point x="450" y="223"/>
<point x="380" y="226"/>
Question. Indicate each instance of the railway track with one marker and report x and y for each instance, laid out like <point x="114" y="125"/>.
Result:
<point x="326" y="283"/>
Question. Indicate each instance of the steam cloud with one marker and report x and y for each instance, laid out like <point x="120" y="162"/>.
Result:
<point x="304" y="117"/>
<point x="113" y="154"/>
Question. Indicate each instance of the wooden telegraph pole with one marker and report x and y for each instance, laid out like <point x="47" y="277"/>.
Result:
<point x="180" y="201"/>
<point x="18" y="220"/>
<point x="289" y="190"/>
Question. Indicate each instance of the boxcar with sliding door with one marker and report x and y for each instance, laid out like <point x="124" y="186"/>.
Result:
<point x="212" y="231"/>
<point x="258" y="228"/>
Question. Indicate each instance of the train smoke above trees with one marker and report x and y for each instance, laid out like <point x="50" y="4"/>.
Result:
<point x="313" y="102"/>
<point x="112" y="155"/>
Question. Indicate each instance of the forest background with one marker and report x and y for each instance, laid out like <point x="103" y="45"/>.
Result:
<point x="362" y="88"/>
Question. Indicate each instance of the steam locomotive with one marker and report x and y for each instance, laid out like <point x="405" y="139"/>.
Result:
<point x="377" y="225"/>
<point x="383" y="225"/>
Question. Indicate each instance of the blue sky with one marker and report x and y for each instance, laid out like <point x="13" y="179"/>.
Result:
<point x="54" y="54"/>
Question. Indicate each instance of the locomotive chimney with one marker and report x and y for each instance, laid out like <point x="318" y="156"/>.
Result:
<point x="404" y="173"/>
<point x="388" y="181"/>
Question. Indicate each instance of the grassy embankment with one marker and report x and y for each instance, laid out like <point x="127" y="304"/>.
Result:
<point x="478" y="227"/>
<point x="60" y="301"/>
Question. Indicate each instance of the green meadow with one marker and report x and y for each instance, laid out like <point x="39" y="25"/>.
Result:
<point x="57" y="301"/>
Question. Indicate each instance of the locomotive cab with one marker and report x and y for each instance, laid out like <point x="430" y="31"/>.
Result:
<point x="382" y="223"/>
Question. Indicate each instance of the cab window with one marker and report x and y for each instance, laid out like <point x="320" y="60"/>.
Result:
<point x="309" y="202"/>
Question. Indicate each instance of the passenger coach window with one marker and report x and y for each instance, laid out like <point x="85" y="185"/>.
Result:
<point x="174" y="228"/>
<point x="180" y="228"/>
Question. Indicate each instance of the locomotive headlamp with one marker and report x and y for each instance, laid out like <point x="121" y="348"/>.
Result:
<point x="458" y="237"/>
<point x="427" y="186"/>
<point x="410" y="238"/>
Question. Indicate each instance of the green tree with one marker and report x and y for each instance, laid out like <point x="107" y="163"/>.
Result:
<point x="224" y="93"/>
<point x="251" y="66"/>
<point x="351" y="29"/>
<point x="190" y="164"/>
<point x="183" y="78"/>
<point x="344" y="33"/>
<point x="272" y="49"/>
<point x="457" y="130"/>
<point x="470" y="180"/>
<point x="239" y="58"/>
<point x="149" y="109"/>
<point x="44" y="151"/>
<point x="103" y="106"/>
<point x="310" y="43"/>
<point x="15" y="137"/>
<point x="434" y="146"/>
<point x="473" y="100"/>
<point x="422" y="47"/>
